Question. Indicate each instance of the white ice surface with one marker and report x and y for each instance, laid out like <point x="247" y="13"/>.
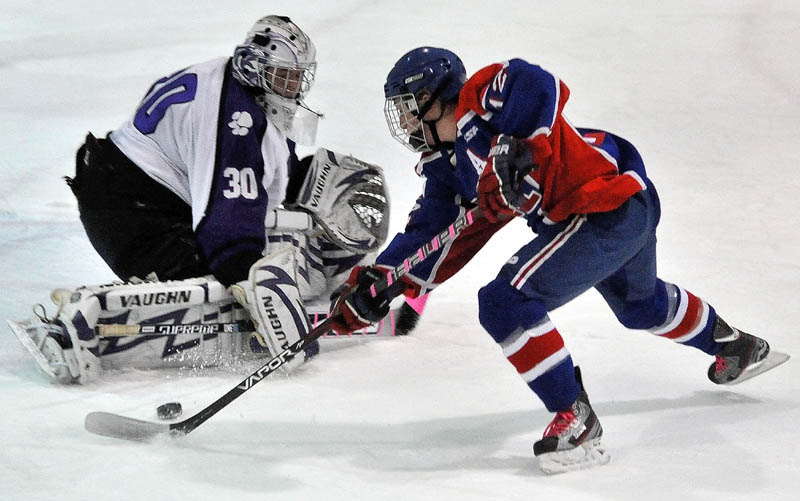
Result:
<point x="709" y="93"/>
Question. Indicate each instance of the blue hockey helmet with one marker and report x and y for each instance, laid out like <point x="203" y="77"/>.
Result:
<point x="437" y="71"/>
<point x="426" y="72"/>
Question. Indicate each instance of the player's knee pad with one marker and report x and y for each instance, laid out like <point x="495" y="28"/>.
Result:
<point x="502" y="309"/>
<point x="338" y="262"/>
<point x="652" y="311"/>
<point x="321" y="264"/>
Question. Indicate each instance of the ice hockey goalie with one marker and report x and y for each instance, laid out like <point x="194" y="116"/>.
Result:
<point x="339" y="219"/>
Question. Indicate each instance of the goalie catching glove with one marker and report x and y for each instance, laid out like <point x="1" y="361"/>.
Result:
<point x="355" y="308"/>
<point x="505" y="187"/>
<point x="347" y="198"/>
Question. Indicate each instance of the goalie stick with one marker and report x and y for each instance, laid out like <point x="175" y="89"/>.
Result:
<point x="118" y="426"/>
<point x="124" y="330"/>
<point x="390" y="326"/>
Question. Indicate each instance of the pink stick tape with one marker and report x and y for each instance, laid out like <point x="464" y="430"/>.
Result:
<point x="417" y="303"/>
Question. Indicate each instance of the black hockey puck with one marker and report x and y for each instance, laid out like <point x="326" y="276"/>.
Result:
<point x="169" y="410"/>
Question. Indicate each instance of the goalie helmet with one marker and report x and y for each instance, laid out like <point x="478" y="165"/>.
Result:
<point x="425" y="72"/>
<point x="278" y="60"/>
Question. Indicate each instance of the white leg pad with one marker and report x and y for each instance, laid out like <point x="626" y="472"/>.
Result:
<point x="272" y="298"/>
<point x="78" y="312"/>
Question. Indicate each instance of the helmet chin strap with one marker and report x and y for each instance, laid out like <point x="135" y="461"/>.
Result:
<point x="437" y="142"/>
<point x="424" y="109"/>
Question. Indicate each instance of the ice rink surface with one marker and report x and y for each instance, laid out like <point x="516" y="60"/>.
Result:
<point x="709" y="93"/>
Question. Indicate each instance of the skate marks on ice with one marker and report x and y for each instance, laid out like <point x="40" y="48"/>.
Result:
<point x="501" y="441"/>
<point x="587" y="455"/>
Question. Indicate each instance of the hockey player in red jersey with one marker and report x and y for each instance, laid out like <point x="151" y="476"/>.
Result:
<point x="500" y="140"/>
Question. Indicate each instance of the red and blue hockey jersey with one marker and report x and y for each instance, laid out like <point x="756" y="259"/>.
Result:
<point x="578" y="171"/>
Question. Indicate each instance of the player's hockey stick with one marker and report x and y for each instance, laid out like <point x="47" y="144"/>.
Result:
<point x="117" y="426"/>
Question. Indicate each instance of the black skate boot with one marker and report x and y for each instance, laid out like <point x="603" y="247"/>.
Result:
<point x="572" y="440"/>
<point x="743" y="357"/>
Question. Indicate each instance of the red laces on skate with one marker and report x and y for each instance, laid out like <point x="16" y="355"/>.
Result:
<point x="560" y="423"/>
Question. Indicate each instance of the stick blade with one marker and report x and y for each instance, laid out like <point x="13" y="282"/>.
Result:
<point x="116" y="426"/>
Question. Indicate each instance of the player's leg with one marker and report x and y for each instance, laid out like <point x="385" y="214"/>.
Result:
<point x="563" y="261"/>
<point x="532" y="344"/>
<point x="136" y="225"/>
<point x="640" y="300"/>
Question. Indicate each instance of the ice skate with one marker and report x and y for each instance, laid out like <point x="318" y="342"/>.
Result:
<point x="572" y="440"/>
<point x="743" y="357"/>
<point x="49" y="345"/>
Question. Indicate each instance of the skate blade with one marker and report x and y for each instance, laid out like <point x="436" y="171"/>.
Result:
<point x="21" y="331"/>
<point x="773" y="359"/>
<point x="586" y="455"/>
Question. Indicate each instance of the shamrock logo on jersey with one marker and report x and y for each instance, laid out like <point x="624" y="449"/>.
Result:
<point x="241" y="121"/>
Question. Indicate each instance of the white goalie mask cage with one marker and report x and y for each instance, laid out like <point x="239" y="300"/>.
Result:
<point x="348" y="198"/>
<point x="279" y="59"/>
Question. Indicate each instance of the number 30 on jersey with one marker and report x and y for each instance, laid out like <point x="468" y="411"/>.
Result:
<point x="241" y="183"/>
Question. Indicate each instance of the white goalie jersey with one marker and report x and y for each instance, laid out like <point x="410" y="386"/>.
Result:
<point x="177" y="130"/>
